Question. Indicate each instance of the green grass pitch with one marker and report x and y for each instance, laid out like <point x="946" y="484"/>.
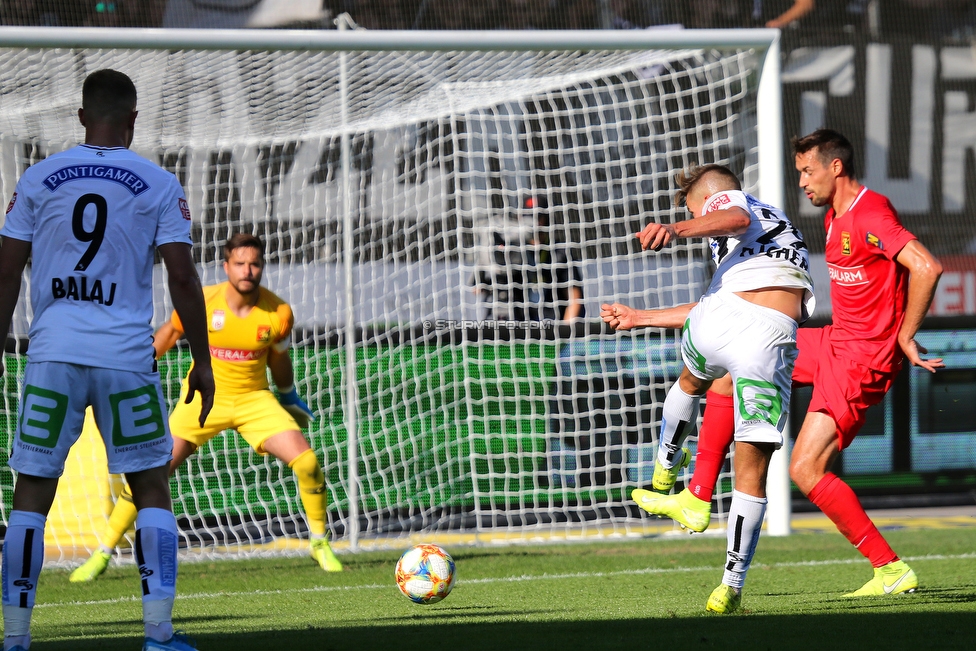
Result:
<point x="633" y="594"/>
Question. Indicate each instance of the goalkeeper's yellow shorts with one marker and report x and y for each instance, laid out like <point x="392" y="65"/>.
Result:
<point x="256" y="415"/>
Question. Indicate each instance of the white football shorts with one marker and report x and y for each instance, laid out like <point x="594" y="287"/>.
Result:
<point x="129" y="410"/>
<point x="757" y="345"/>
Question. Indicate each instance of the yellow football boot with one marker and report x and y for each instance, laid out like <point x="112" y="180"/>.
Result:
<point x="321" y="552"/>
<point x="664" y="478"/>
<point x="684" y="508"/>
<point x="723" y="600"/>
<point x="893" y="578"/>
<point x="92" y="568"/>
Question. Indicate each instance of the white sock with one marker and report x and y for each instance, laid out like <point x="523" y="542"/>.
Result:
<point x="745" y="523"/>
<point x="16" y="622"/>
<point x="11" y="641"/>
<point x="680" y="411"/>
<point x="157" y="543"/>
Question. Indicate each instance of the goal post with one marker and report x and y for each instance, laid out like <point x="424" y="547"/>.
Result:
<point x="431" y="202"/>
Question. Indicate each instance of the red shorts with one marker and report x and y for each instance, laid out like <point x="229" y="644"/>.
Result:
<point x="842" y="388"/>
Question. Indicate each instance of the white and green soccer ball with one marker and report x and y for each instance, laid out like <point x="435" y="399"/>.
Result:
<point x="425" y="574"/>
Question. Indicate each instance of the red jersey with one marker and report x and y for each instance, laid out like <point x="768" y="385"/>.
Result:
<point x="868" y="288"/>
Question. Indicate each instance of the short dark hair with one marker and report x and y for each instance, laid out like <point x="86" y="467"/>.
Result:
<point x="688" y="179"/>
<point x="243" y="240"/>
<point x="830" y="145"/>
<point x="108" y="95"/>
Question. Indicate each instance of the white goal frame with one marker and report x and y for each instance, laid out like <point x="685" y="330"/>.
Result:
<point x="766" y="43"/>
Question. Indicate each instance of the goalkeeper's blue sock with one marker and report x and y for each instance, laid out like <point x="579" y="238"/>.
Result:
<point x="23" y="555"/>
<point x="156" y="549"/>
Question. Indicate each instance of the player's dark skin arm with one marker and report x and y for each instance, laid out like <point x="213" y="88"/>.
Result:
<point x="187" y="295"/>
<point x="13" y="258"/>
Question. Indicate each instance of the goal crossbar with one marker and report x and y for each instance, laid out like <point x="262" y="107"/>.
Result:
<point x="363" y="40"/>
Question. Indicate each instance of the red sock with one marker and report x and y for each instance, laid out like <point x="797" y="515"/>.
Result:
<point x="714" y="439"/>
<point x="840" y="504"/>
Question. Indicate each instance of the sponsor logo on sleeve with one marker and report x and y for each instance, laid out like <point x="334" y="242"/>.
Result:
<point x="126" y="178"/>
<point x="847" y="276"/>
<point x="184" y="208"/>
<point x="716" y="203"/>
<point x="874" y="240"/>
<point x="217" y="320"/>
<point x="264" y="333"/>
<point x="10" y="206"/>
<point x="845" y="243"/>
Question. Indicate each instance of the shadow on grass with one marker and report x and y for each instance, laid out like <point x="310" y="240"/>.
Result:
<point x="912" y="623"/>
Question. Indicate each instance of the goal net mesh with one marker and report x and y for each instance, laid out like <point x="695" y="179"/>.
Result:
<point x="487" y="192"/>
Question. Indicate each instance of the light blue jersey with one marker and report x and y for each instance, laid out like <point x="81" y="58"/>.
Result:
<point x="94" y="216"/>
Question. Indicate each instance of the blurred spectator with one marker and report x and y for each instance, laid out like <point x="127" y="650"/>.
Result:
<point x="719" y="14"/>
<point x="75" y="13"/>
<point x="46" y="12"/>
<point x="794" y="12"/>
<point x="581" y="14"/>
<point x="811" y="21"/>
<point x="231" y="14"/>
<point x="529" y="14"/>
<point x="379" y="14"/>
<point x="450" y="14"/>
<point x="942" y="20"/>
<point x="527" y="275"/>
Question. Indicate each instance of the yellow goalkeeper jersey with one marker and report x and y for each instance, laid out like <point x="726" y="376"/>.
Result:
<point x="239" y="347"/>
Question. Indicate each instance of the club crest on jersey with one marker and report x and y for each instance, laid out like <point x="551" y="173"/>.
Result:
<point x="10" y="206"/>
<point x="845" y="243"/>
<point x="264" y="333"/>
<point x="184" y="208"/>
<point x="217" y="320"/>
<point x="874" y="240"/>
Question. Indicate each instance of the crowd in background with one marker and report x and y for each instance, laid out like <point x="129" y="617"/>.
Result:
<point x="948" y="20"/>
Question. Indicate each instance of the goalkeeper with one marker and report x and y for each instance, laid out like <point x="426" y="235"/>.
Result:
<point x="249" y="331"/>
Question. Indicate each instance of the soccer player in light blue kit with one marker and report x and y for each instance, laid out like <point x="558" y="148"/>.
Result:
<point x="90" y="219"/>
<point x="745" y="325"/>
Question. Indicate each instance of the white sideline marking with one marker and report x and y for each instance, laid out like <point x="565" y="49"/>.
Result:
<point x="503" y="579"/>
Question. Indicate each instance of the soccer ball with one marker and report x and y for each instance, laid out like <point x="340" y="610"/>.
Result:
<point x="425" y="574"/>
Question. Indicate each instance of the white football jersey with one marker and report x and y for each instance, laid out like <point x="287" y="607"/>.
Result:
<point x="771" y="253"/>
<point x="94" y="216"/>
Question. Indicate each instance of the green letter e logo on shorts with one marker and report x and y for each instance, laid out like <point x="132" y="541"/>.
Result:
<point x="42" y="416"/>
<point x="136" y="416"/>
<point x="759" y="400"/>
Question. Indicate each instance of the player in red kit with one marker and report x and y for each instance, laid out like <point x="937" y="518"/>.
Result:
<point x="882" y="280"/>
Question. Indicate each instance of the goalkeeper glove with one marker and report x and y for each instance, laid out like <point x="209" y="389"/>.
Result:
<point x="295" y="406"/>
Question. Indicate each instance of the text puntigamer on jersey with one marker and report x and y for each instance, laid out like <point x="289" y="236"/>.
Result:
<point x="120" y="175"/>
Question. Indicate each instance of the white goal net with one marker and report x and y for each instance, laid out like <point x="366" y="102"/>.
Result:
<point x="434" y="210"/>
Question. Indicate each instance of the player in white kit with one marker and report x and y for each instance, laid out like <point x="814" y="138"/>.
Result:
<point x="90" y="219"/>
<point x="745" y="324"/>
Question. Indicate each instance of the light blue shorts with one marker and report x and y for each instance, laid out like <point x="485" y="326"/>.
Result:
<point x="129" y="410"/>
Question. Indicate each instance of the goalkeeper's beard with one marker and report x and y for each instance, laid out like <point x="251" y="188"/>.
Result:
<point x="247" y="287"/>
